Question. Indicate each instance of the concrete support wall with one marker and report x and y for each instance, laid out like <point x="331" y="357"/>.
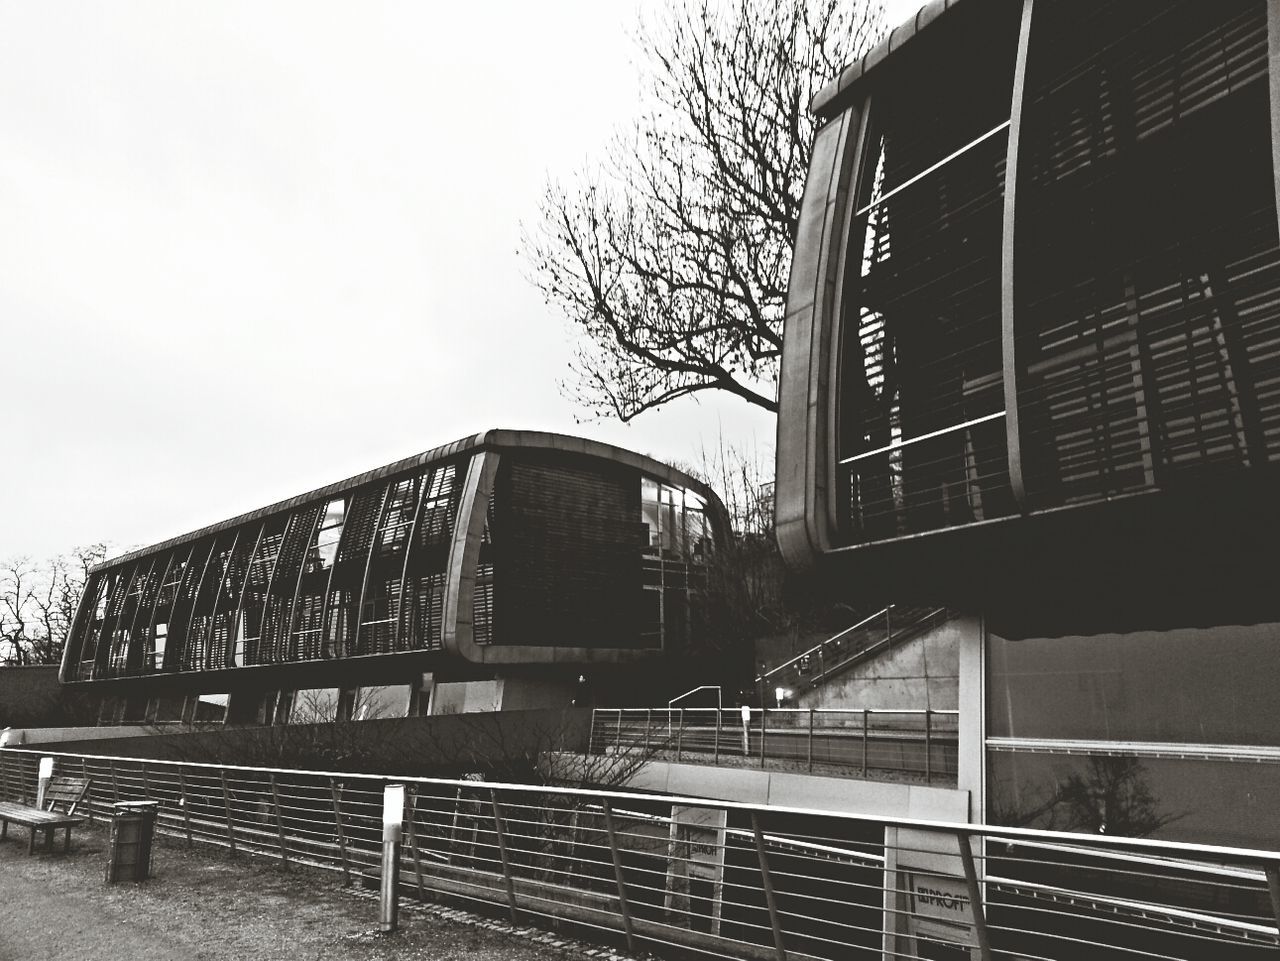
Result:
<point x="919" y="673"/>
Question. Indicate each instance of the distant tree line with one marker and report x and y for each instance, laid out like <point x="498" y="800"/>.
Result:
<point x="38" y="602"/>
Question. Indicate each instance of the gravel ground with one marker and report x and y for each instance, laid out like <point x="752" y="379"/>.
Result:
<point x="201" y="905"/>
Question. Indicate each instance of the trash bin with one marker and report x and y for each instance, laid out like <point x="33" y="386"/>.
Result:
<point x="133" y="825"/>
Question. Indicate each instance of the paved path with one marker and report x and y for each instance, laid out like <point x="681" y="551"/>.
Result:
<point x="203" y="906"/>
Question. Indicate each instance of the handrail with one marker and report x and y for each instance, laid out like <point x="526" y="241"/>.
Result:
<point x="701" y="687"/>
<point x="821" y="644"/>
<point x="1192" y="850"/>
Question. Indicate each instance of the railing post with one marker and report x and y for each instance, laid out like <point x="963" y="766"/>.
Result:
<point x="115" y="784"/>
<point x="719" y="719"/>
<point x="146" y="784"/>
<point x="186" y="804"/>
<point x="1273" y="888"/>
<point x="764" y="712"/>
<point x="335" y="789"/>
<point x="275" y="797"/>
<point x="88" y="807"/>
<point x="226" y="807"/>
<point x="623" y="904"/>
<point x="502" y="852"/>
<point x="810" y="740"/>
<point x="648" y="727"/>
<point x="617" y="738"/>
<point x="411" y="799"/>
<point x="680" y="735"/>
<point x="928" y="749"/>
<point x="975" y="896"/>
<point x="766" y="880"/>
<point x="865" y="716"/>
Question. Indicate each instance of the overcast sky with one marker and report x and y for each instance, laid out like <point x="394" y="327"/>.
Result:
<point x="247" y="249"/>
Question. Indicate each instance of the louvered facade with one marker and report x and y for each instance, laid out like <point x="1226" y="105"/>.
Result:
<point x="1033" y="327"/>
<point x="500" y="552"/>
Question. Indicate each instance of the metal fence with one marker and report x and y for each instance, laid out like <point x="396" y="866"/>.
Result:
<point x="720" y="879"/>
<point x="921" y="743"/>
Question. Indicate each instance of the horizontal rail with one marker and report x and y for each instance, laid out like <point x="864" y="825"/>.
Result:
<point x="899" y="444"/>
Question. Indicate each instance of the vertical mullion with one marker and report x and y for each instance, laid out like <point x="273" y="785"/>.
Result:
<point x="271" y="583"/>
<point x="368" y="563"/>
<point x="424" y="483"/>
<point x="234" y="627"/>
<point x="1008" y="340"/>
<point x="288" y="635"/>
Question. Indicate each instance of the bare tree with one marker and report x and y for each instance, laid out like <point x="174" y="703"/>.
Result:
<point x="38" y="602"/>
<point x="671" y="257"/>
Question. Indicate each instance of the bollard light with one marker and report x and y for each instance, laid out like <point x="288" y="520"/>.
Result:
<point x="392" y="825"/>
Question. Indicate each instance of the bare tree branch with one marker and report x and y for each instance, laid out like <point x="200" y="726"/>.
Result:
<point x="670" y="258"/>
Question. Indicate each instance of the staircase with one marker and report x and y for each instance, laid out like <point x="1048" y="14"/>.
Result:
<point x="854" y="645"/>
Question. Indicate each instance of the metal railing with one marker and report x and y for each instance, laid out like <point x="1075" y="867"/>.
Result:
<point x="842" y="650"/>
<point x="721" y="879"/>
<point x="922" y="743"/>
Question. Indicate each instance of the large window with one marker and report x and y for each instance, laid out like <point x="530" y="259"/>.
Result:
<point x="1147" y="288"/>
<point x="920" y="419"/>
<point x="1173" y="734"/>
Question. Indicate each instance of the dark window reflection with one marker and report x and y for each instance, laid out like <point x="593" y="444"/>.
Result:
<point x="1198" y="686"/>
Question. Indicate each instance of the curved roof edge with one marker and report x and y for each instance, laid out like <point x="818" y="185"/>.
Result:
<point x="835" y="96"/>
<point x="495" y="439"/>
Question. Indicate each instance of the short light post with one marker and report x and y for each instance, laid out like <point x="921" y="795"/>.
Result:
<point x="392" y="827"/>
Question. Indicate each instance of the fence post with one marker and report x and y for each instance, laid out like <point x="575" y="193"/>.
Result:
<point x="226" y="807"/>
<point x="623" y="904"/>
<point x="502" y="851"/>
<point x="275" y="797"/>
<point x="115" y="784"/>
<point x="680" y="735"/>
<point x="766" y="880"/>
<point x="1273" y="888"/>
<point x="764" y="713"/>
<point x="648" y="726"/>
<point x="335" y="789"/>
<point x="865" y="716"/>
<point x="617" y="737"/>
<point x="928" y="749"/>
<point x="411" y="798"/>
<point x="186" y="804"/>
<point x="975" y="896"/>
<point x="88" y="807"/>
<point x="719" y="718"/>
<point x="146" y="784"/>
<point x="810" y="740"/>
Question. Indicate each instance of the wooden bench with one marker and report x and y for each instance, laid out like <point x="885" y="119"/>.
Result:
<point x="60" y="799"/>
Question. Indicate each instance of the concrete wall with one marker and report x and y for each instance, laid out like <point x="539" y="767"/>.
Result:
<point x="919" y="673"/>
<point x="784" y="789"/>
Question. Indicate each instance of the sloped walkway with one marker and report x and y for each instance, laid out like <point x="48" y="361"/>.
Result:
<point x="203" y="906"/>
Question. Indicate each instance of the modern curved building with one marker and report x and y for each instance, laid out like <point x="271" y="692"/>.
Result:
<point x="1031" y="373"/>
<point x="487" y="573"/>
<point x="1036" y="301"/>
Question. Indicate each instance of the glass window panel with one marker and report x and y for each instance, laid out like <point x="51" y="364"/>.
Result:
<point x="315" y="706"/>
<point x="373" y="703"/>
<point x="1208" y="802"/>
<point x="1201" y="686"/>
